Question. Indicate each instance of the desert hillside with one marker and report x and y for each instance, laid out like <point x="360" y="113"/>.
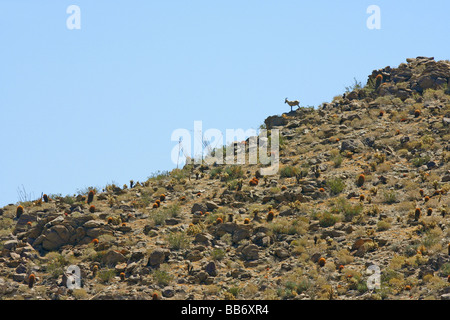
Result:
<point x="364" y="181"/>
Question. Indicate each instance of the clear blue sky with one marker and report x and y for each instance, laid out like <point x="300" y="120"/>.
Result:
<point x="88" y="107"/>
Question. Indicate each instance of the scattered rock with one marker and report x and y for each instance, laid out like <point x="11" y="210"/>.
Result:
<point x="211" y="269"/>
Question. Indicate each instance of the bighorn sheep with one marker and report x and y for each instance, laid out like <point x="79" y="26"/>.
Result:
<point x="292" y="103"/>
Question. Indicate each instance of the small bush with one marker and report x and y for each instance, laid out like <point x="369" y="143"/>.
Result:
<point x="336" y="185"/>
<point x="56" y="265"/>
<point x="178" y="240"/>
<point x="383" y="225"/>
<point x="344" y="207"/>
<point x="288" y="172"/>
<point x="234" y="172"/>
<point x="173" y="210"/>
<point x="105" y="276"/>
<point x="420" y="161"/>
<point x="337" y="161"/>
<point x="159" y="217"/>
<point x="218" y="254"/>
<point x="161" y="277"/>
<point x="215" y="172"/>
<point x="328" y="219"/>
<point x="445" y="269"/>
<point x="390" y="197"/>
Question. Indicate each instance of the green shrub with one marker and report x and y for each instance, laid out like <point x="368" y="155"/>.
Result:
<point x="445" y="269"/>
<point x="288" y="172"/>
<point x="383" y="225"/>
<point x="390" y="196"/>
<point x="234" y="172"/>
<point x="344" y="207"/>
<point x="178" y="240"/>
<point x="56" y="265"/>
<point x="159" y="217"/>
<point x="234" y="291"/>
<point x="336" y="185"/>
<point x="420" y="161"/>
<point x="285" y="226"/>
<point x="218" y="254"/>
<point x="105" y="276"/>
<point x="215" y="172"/>
<point x="328" y="219"/>
<point x="161" y="277"/>
<point x="173" y="210"/>
<point x="158" y="175"/>
<point x="303" y="285"/>
<point x="337" y="160"/>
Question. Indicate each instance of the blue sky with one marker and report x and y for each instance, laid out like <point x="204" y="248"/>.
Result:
<point x="97" y="105"/>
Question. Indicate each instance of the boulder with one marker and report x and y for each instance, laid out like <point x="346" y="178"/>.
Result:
<point x="352" y="145"/>
<point x="112" y="258"/>
<point x="10" y="245"/>
<point x="250" y="252"/>
<point x="199" y="207"/>
<point x="211" y="269"/>
<point x="158" y="256"/>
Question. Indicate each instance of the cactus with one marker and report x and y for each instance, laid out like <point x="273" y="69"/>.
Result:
<point x="427" y="198"/>
<point x="162" y="197"/>
<point x="322" y="262"/>
<point x="270" y="216"/>
<point x="361" y="198"/>
<point x="155" y="205"/>
<point x="219" y="220"/>
<point x="94" y="270"/>
<point x="31" y="280"/>
<point x="254" y="182"/>
<point x="378" y="81"/>
<point x="92" y="209"/>
<point x="283" y="188"/>
<point x="417" y="214"/>
<point x="408" y="287"/>
<point x="417" y="113"/>
<point x="90" y="196"/>
<point x="122" y="276"/>
<point x="421" y="192"/>
<point x="321" y="190"/>
<point x="19" y="211"/>
<point x="155" y="296"/>
<point x="94" y="241"/>
<point x="360" y="181"/>
<point x="246" y="221"/>
<point x="341" y="267"/>
<point x="110" y="220"/>
<point x="45" y="197"/>
<point x="429" y="211"/>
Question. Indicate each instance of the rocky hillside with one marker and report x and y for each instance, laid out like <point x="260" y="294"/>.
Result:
<point x="363" y="185"/>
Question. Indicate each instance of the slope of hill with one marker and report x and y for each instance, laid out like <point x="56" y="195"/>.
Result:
<point x="362" y="190"/>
